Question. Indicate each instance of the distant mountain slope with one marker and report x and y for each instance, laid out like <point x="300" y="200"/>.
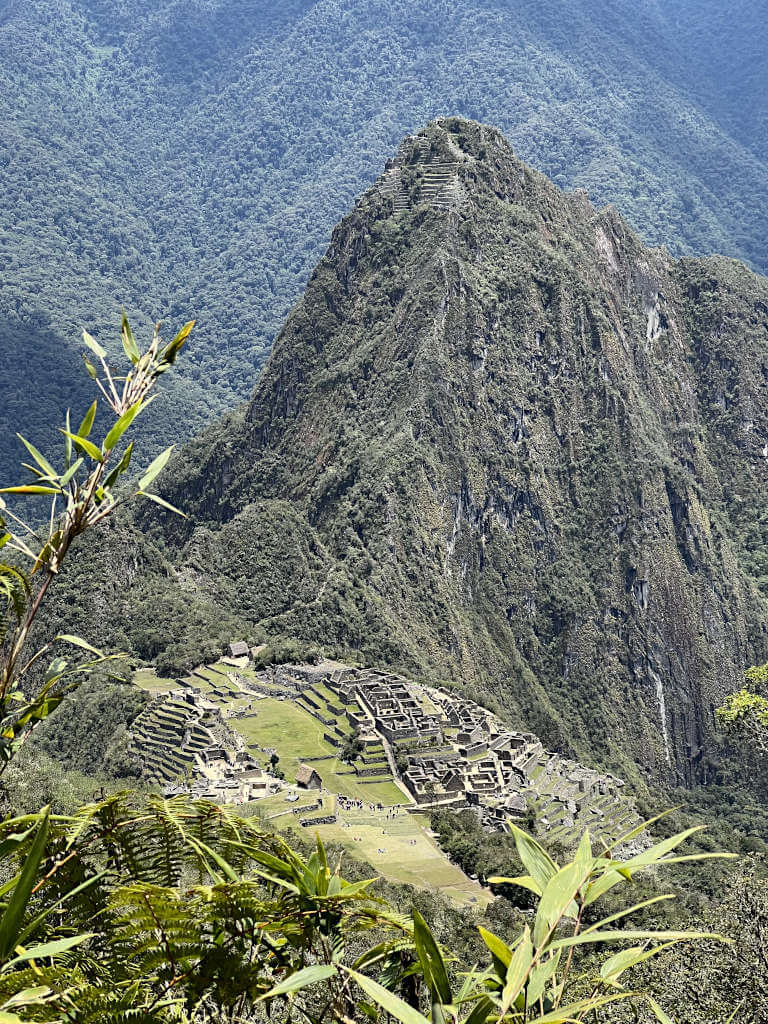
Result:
<point x="500" y="441"/>
<point x="191" y="158"/>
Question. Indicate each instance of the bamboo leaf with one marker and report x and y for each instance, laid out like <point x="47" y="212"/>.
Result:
<point x="10" y="923"/>
<point x="660" y="1014"/>
<point x="206" y="851"/>
<point x="574" y="1013"/>
<point x="121" y="425"/>
<point x="540" y="977"/>
<point x="162" y="503"/>
<point x="557" y="901"/>
<point x="87" y="425"/>
<point x="537" y="861"/>
<point x="69" y="895"/>
<point x="517" y="972"/>
<point x="90" y="342"/>
<point x="39" y="458"/>
<point x="155" y="468"/>
<point x="621" y="936"/>
<point x="67" y="442"/>
<point x="431" y="958"/>
<point x="55" y="670"/>
<point x="482" y="1011"/>
<point x="175" y="346"/>
<point x="524" y="881"/>
<point x="654" y="853"/>
<point x="71" y="471"/>
<point x="120" y="468"/>
<point x="387" y="1000"/>
<point x="76" y="641"/>
<point x="85" y="445"/>
<point x="30" y="489"/>
<point x="301" y="979"/>
<point x="629" y="910"/>
<point x="501" y="952"/>
<point x="26" y="998"/>
<point x="50" y="949"/>
<point x="615" y="965"/>
<point x="130" y="347"/>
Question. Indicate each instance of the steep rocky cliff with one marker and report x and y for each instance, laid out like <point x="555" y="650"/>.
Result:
<point x="500" y="441"/>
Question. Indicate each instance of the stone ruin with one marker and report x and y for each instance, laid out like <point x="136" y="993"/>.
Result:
<point x="443" y="749"/>
<point x="458" y="754"/>
<point x="186" y="747"/>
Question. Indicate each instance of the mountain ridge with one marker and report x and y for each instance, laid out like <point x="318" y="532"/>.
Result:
<point x="159" y="147"/>
<point x="501" y="443"/>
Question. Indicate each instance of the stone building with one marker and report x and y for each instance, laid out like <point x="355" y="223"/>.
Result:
<point x="308" y="778"/>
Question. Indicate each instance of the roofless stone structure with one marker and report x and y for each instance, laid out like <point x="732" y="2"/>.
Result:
<point x="442" y="748"/>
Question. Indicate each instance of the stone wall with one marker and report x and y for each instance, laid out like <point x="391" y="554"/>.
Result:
<point x="327" y="819"/>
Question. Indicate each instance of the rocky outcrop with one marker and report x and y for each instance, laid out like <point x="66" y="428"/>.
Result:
<point x="501" y="441"/>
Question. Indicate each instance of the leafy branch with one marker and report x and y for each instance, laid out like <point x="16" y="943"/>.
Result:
<point x="83" y="492"/>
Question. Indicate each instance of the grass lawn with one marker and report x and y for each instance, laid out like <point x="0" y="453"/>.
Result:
<point x="272" y="806"/>
<point x="214" y="676"/>
<point x="385" y="791"/>
<point x="293" y="733"/>
<point x="296" y="735"/>
<point x="427" y="704"/>
<point x="408" y="854"/>
<point x="327" y="694"/>
<point x="147" y="680"/>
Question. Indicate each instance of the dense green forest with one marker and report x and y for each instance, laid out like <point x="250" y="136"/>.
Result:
<point x="194" y="155"/>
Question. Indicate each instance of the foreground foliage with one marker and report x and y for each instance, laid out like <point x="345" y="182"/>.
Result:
<point x="184" y="911"/>
<point x="82" y="494"/>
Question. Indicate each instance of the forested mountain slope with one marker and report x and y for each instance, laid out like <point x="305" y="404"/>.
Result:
<point x="190" y="158"/>
<point x="498" y="441"/>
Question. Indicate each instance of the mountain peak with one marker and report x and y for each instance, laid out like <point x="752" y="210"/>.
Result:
<point x="450" y="161"/>
<point x="496" y="441"/>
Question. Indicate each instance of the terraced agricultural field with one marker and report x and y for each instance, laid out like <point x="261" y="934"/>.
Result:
<point x="289" y="729"/>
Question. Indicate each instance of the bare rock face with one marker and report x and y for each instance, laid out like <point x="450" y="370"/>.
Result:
<point x="499" y="440"/>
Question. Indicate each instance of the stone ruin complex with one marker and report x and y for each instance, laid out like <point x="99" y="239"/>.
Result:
<point x="442" y="749"/>
<point x="186" y="746"/>
<point x="417" y="176"/>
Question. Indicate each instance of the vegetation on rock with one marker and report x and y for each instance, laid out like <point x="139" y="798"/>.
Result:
<point x="175" y="911"/>
<point x="501" y="443"/>
<point x="195" y="156"/>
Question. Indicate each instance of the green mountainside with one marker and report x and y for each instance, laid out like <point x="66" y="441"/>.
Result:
<point x="499" y="441"/>
<point x="189" y="158"/>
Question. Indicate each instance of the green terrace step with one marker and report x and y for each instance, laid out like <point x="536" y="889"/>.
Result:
<point x="171" y="715"/>
<point x="168" y="753"/>
<point x="153" y="740"/>
<point x="159" y="767"/>
<point x="167" y="725"/>
<point x="155" y="737"/>
<point x="198" y="735"/>
<point x="196" y="745"/>
<point x="178" y="756"/>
